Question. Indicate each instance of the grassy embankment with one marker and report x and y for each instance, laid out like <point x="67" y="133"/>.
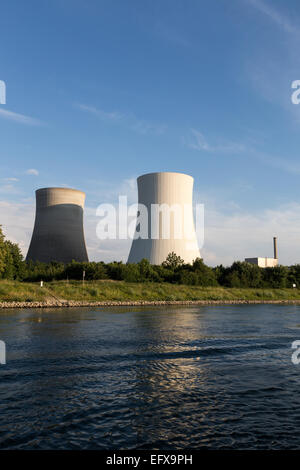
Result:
<point x="125" y="291"/>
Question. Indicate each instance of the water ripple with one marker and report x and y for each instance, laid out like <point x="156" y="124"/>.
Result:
<point x="169" y="378"/>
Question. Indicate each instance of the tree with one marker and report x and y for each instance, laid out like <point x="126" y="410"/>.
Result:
<point x="11" y="259"/>
<point x="276" y="277"/>
<point x="3" y="252"/>
<point x="205" y="276"/>
<point x="15" y="267"/>
<point x="240" y="274"/>
<point x="173" y="261"/>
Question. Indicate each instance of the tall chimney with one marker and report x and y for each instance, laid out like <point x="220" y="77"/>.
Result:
<point x="275" y="247"/>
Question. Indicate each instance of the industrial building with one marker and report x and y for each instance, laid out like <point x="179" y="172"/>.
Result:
<point x="165" y="196"/>
<point x="58" y="229"/>
<point x="266" y="262"/>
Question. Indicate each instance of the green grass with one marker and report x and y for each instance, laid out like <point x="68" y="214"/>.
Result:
<point x="120" y="290"/>
<point x="11" y="291"/>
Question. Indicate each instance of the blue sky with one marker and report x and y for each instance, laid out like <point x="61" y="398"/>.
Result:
<point x="99" y="92"/>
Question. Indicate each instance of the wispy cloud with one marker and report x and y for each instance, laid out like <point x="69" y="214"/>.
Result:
<point x="276" y="64"/>
<point x="104" y="250"/>
<point x="171" y="35"/>
<point x="11" y="179"/>
<point x="249" y="234"/>
<point x="17" y="221"/>
<point x="128" y="120"/>
<point x="197" y="141"/>
<point x="20" y="118"/>
<point x="275" y="16"/>
<point x="106" y="116"/>
<point x="32" y="171"/>
<point x="8" y="189"/>
<point x="289" y="166"/>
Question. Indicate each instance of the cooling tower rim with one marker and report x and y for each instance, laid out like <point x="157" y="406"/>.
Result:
<point x="164" y="173"/>
<point x="61" y="188"/>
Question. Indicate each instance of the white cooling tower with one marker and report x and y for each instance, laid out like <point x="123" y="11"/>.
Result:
<point x="165" y="196"/>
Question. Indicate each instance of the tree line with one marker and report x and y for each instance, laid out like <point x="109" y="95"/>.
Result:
<point x="173" y="270"/>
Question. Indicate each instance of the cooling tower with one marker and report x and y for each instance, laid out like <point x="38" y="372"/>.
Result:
<point x="58" y="229"/>
<point x="162" y="194"/>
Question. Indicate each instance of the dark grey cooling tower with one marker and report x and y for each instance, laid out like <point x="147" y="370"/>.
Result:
<point x="58" y="229"/>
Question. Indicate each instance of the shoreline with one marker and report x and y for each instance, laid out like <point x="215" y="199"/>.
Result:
<point x="140" y="303"/>
<point x="16" y="294"/>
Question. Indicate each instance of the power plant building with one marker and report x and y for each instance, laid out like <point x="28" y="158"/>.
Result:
<point x="165" y="201"/>
<point x="58" y="233"/>
<point x="266" y="262"/>
<point x="263" y="262"/>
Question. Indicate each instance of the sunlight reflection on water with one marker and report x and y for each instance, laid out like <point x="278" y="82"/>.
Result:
<point x="164" y="378"/>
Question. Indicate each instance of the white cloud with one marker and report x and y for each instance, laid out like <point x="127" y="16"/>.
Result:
<point x="32" y="171"/>
<point x="231" y="233"/>
<point x="273" y="67"/>
<point x="11" y="179"/>
<point x="103" y="250"/>
<point x="196" y="141"/>
<point x="109" y="250"/>
<point x="106" y="116"/>
<point x="240" y="234"/>
<point x="8" y="189"/>
<point x="275" y="16"/>
<point x="20" y="118"/>
<point x="17" y="221"/>
<point x="128" y="120"/>
<point x="171" y="35"/>
<point x="275" y="161"/>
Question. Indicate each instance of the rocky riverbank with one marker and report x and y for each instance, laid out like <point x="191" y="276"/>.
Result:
<point x="138" y="303"/>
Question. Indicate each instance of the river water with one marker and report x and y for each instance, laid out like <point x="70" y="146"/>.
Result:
<point x="211" y="377"/>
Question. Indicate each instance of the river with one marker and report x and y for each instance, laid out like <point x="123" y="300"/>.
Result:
<point x="205" y="377"/>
